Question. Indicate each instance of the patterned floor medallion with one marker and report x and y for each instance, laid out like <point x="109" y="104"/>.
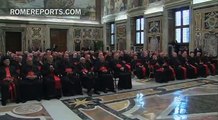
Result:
<point x="9" y="117"/>
<point x="27" y="109"/>
<point x="31" y="111"/>
<point x="86" y="103"/>
<point x="119" y="106"/>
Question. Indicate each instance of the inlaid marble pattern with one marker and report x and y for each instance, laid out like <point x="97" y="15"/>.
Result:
<point x="102" y="114"/>
<point x="34" y="111"/>
<point x="195" y="100"/>
<point x="118" y="106"/>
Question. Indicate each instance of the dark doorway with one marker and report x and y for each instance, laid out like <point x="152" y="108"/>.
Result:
<point x="77" y="45"/>
<point x="13" y="41"/>
<point x="58" y="39"/>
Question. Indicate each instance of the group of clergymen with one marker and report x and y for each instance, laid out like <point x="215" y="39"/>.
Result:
<point x="45" y="75"/>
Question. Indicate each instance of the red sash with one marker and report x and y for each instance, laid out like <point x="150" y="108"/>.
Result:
<point x="31" y="73"/>
<point x="85" y="71"/>
<point x="8" y="73"/>
<point x="143" y="71"/>
<point x="206" y="68"/>
<point x="118" y="66"/>
<point x="128" y="67"/>
<point x="11" y="85"/>
<point x="185" y="72"/>
<point x="102" y="69"/>
<point x="160" y="70"/>
<point x="69" y="70"/>
<point x="57" y="82"/>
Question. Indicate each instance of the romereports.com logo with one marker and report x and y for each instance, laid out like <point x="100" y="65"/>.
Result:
<point x="47" y="12"/>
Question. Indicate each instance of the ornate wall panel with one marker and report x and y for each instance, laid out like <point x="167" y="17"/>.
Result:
<point x="36" y="37"/>
<point x="116" y="6"/>
<point x="121" y="35"/>
<point x="154" y="33"/>
<point x="205" y="30"/>
<point x="84" y="37"/>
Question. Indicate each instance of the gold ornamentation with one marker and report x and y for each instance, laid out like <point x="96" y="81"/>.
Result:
<point x="80" y="102"/>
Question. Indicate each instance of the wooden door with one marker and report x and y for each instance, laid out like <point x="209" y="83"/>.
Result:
<point x="58" y="40"/>
<point x="13" y="41"/>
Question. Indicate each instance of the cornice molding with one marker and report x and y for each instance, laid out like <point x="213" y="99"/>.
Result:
<point x="153" y="14"/>
<point x="205" y="4"/>
<point x="177" y="3"/>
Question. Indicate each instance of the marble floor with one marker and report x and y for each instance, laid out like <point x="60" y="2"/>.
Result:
<point x="195" y="99"/>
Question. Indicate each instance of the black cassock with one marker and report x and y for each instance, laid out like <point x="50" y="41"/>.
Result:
<point x="8" y="82"/>
<point x="105" y="78"/>
<point x="51" y="81"/>
<point x="179" y="70"/>
<point x="138" y="69"/>
<point x="71" y="84"/>
<point x="30" y="89"/>
<point x="87" y="75"/>
<point x="203" y="67"/>
<point x="164" y="72"/>
<point x="211" y="65"/>
<point x="191" y="71"/>
<point x="123" y="72"/>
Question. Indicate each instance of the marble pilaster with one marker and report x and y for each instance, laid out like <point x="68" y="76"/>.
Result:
<point x="105" y="36"/>
<point x="145" y="46"/>
<point x="165" y="31"/>
<point x="70" y="43"/>
<point x="2" y="46"/>
<point x="128" y="34"/>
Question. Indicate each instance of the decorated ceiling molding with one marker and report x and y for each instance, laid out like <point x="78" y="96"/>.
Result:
<point x="200" y="1"/>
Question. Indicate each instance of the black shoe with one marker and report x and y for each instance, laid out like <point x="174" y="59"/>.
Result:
<point x="58" y="97"/>
<point x="17" y="101"/>
<point x="105" y="91"/>
<point x="89" y="89"/>
<point x="23" y="101"/>
<point x="120" y="88"/>
<point x="96" y="92"/>
<point x="113" y="91"/>
<point x="89" y="94"/>
<point x="3" y="103"/>
<point x="39" y="99"/>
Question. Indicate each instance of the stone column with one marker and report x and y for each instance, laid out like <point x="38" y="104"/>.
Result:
<point x="192" y="30"/>
<point x="165" y="34"/>
<point x="105" y="36"/>
<point x="145" y="46"/>
<point x="70" y="42"/>
<point x="47" y="37"/>
<point x="2" y="41"/>
<point x="115" y="37"/>
<point x="128" y="34"/>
